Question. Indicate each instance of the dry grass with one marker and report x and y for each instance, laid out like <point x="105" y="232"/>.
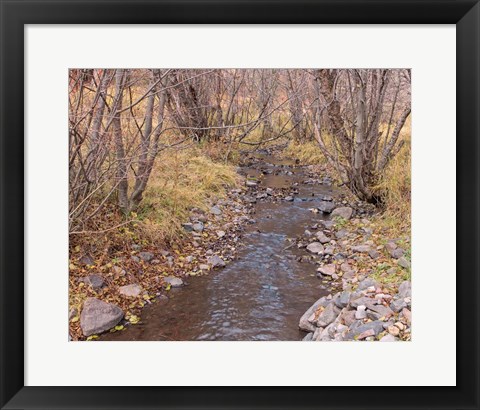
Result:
<point x="181" y="180"/>
<point x="395" y="186"/>
<point x="308" y="153"/>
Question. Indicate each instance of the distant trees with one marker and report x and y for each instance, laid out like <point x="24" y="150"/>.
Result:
<point x="120" y="119"/>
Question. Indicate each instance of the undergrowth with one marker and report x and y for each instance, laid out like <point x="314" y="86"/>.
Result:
<point x="308" y="153"/>
<point x="180" y="181"/>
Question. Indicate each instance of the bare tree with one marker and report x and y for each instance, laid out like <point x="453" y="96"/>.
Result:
<point x="355" y="103"/>
<point x="118" y="120"/>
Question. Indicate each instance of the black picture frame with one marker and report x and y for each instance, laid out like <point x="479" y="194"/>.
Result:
<point x="16" y="14"/>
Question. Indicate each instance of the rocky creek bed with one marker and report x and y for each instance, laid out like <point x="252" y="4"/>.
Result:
<point x="258" y="261"/>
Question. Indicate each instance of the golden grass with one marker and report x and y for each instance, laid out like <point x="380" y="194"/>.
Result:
<point x="307" y="152"/>
<point x="180" y="181"/>
<point x="395" y="186"/>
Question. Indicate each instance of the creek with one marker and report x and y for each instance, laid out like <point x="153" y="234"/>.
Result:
<point x="262" y="294"/>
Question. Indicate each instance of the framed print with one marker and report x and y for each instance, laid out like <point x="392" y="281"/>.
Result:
<point x="239" y="205"/>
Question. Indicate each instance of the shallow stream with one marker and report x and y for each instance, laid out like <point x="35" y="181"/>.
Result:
<point x="263" y="293"/>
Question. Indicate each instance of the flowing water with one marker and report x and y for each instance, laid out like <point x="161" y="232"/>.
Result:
<point x="262" y="294"/>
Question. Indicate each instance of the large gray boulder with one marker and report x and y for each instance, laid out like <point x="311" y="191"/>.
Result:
<point x="326" y="206"/>
<point x="330" y="313"/>
<point x="344" y="212"/>
<point x="304" y="323"/>
<point x="98" y="316"/>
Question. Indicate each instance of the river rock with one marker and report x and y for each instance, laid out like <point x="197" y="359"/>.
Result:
<point x="326" y="334"/>
<point x="72" y="313"/>
<point x="393" y="330"/>
<point x="315" y="247"/>
<point x="373" y="253"/>
<point x="407" y="314"/>
<point x="377" y="312"/>
<point x="86" y="260"/>
<point x="358" y="329"/>
<point x="361" y="248"/>
<point x="329" y="250"/>
<point x="251" y="184"/>
<point x="326" y="206"/>
<point x="198" y="227"/>
<point x="118" y="271"/>
<point x="308" y="337"/>
<point x="400" y="325"/>
<point x="346" y="267"/>
<point x="327" y="270"/>
<point x="403" y="262"/>
<point x="390" y="247"/>
<point x="173" y="281"/>
<point x="215" y="210"/>
<point x="388" y="338"/>
<point x="343" y="212"/>
<point x="146" y="256"/>
<point x="347" y="316"/>
<point x="397" y="253"/>
<point x="361" y="313"/>
<point x="220" y="234"/>
<point x="316" y="335"/>
<point x="342" y="299"/>
<point x="188" y="227"/>
<point x="355" y="302"/>
<point x="405" y="289"/>
<point x="288" y="198"/>
<point x="94" y="280"/>
<point x="322" y="237"/>
<point x="131" y="291"/>
<point x="216" y="261"/>
<point x="304" y="323"/>
<point x="398" y="305"/>
<point x="367" y="334"/>
<point x="330" y="313"/>
<point x="98" y="316"/>
<point x="366" y="283"/>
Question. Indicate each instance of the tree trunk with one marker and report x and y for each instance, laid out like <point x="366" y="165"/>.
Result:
<point x="122" y="181"/>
